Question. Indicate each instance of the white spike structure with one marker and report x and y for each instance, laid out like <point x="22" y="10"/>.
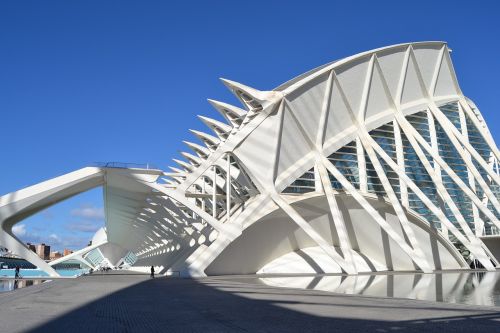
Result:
<point x="187" y="167"/>
<point x="250" y="97"/>
<point x="375" y="162"/>
<point x="199" y="150"/>
<point x="210" y="141"/>
<point x="222" y="130"/>
<point x="233" y="114"/>
<point x="177" y="170"/>
<point x="191" y="158"/>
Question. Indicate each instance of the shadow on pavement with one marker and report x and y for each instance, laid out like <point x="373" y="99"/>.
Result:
<point x="187" y="305"/>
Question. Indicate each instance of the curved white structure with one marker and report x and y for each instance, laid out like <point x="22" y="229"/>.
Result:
<point x="371" y="163"/>
<point x="117" y="182"/>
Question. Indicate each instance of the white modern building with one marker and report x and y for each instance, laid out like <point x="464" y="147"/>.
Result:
<point x="376" y="162"/>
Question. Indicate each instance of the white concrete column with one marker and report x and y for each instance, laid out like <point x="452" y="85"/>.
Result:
<point x="203" y="191"/>
<point x="400" y="158"/>
<point x="384" y="225"/>
<point x="478" y="222"/>
<point x="214" y="192"/>
<point x="437" y="167"/>
<point x="338" y="219"/>
<point x="228" y="187"/>
<point x="363" y="186"/>
<point x="419" y="259"/>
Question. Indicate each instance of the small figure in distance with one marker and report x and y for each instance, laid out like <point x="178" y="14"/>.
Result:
<point x="152" y="272"/>
<point x="16" y="272"/>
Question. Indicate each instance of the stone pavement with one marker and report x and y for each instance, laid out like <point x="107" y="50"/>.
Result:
<point x="136" y="303"/>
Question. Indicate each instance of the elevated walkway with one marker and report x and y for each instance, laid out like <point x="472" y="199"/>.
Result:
<point x="119" y="180"/>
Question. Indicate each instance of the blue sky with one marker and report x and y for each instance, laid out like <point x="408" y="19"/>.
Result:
<point x="87" y="81"/>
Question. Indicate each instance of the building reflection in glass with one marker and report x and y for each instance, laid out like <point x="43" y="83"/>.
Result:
<point x="476" y="288"/>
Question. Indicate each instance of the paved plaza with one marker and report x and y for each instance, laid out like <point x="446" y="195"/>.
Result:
<point x="135" y="303"/>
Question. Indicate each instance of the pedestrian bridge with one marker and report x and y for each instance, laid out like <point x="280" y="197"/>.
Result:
<point x="124" y="192"/>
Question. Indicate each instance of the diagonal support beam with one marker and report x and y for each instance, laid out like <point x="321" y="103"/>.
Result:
<point x="474" y="248"/>
<point x="373" y="212"/>
<point x="412" y="134"/>
<point x="315" y="236"/>
<point x="230" y="228"/>
<point x="430" y="171"/>
<point x="486" y="136"/>
<point x="403" y="220"/>
<point x="451" y="132"/>
<point x="338" y="219"/>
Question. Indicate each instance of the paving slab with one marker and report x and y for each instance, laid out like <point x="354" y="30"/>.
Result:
<point x="135" y="303"/>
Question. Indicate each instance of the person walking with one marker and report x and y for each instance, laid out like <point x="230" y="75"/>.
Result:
<point x="152" y="272"/>
<point x="16" y="272"/>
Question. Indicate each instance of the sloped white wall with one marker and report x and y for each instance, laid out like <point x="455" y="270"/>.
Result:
<point x="276" y="236"/>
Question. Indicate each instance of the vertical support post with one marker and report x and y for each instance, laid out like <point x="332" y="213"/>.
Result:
<point x="360" y="151"/>
<point x="437" y="167"/>
<point x="203" y="192"/>
<point x="475" y="242"/>
<point x="337" y="217"/>
<point x="400" y="158"/>
<point x="481" y="206"/>
<point x="478" y="222"/>
<point x="214" y="192"/>
<point x="403" y="220"/>
<point x="384" y="225"/>
<point x="318" y="187"/>
<point x="228" y="187"/>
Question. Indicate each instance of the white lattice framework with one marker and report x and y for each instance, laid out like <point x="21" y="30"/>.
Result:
<point x="269" y="187"/>
<point x="287" y="131"/>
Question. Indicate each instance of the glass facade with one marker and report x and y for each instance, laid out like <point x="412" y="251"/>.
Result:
<point x="346" y="161"/>
<point x="450" y="155"/>
<point x="477" y="141"/>
<point x="130" y="258"/>
<point x="94" y="257"/>
<point x="384" y="136"/>
<point x="303" y="184"/>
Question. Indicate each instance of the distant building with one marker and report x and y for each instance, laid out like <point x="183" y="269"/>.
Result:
<point x="43" y="251"/>
<point x="31" y="247"/>
<point x="67" y="252"/>
<point x="55" y="255"/>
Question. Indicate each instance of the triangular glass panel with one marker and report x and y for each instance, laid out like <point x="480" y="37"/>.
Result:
<point x="451" y="111"/>
<point x="420" y="123"/>
<point x="304" y="184"/>
<point x="346" y="161"/>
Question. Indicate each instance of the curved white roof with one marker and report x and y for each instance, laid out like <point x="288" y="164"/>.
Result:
<point x="327" y="102"/>
<point x="100" y="236"/>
